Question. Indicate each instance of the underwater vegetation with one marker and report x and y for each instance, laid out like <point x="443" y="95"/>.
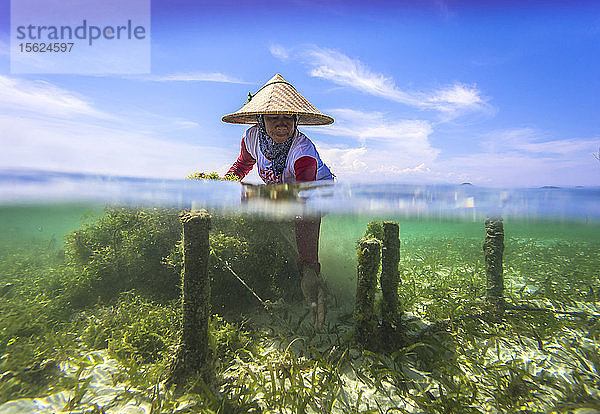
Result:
<point x="101" y="311"/>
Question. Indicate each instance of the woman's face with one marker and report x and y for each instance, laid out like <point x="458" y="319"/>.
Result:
<point x="279" y="127"/>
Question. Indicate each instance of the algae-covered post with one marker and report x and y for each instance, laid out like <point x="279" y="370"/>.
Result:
<point x="493" y="248"/>
<point x="365" y="323"/>
<point x="390" y="278"/>
<point x="192" y="356"/>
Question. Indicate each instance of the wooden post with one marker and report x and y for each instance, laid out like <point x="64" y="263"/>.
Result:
<point x="390" y="277"/>
<point x="493" y="249"/>
<point x="368" y="254"/>
<point x="192" y="356"/>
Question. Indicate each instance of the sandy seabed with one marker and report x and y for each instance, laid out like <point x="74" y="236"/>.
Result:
<point x="104" y="393"/>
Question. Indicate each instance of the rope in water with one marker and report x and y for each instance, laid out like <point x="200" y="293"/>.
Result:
<point x="265" y="303"/>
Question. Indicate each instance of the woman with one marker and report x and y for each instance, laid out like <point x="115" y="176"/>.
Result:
<point x="283" y="154"/>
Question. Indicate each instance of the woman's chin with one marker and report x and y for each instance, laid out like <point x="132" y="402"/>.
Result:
<point x="280" y="139"/>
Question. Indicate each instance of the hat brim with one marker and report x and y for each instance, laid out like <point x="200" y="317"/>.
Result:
<point x="278" y="97"/>
<point x="304" y="118"/>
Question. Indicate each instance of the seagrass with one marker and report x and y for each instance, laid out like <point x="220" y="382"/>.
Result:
<point x="278" y="97"/>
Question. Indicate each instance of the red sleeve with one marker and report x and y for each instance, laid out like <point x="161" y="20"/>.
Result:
<point x="306" y="169"/>
<point x="242" y="166"/>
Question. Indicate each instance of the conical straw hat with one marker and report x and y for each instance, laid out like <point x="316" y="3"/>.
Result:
<point x="278" y="97"/>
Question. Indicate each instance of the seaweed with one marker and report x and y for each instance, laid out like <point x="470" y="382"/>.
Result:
<point x="99" y="297"/>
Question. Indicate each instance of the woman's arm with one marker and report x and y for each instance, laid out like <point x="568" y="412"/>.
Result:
<point x="242" y="166"/>
<point x="305" y="169"/>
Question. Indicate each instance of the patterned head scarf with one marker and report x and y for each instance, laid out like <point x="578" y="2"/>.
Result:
<point x="275" y="151"/>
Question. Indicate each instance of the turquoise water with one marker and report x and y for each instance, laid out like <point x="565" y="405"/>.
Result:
<point x="89" y="273"/>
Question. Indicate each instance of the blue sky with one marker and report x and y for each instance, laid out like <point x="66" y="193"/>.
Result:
<point x="493" y="93"/>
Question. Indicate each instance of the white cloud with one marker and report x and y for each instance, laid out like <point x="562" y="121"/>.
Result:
<point x="279" y="52"/>
<point x="50" y="128"/>
<point x="530" y="140"/>
<point x="44" y="98"/>
<point x="79" y="146"/>
<point x="563" y="146"/>
<point x="451" y="100"/>
<point x="526" y="157"/>
<point x="193" y="77"/>
<point x="377" y="147"/>
<point x="509" y="139"/>
<point x="341" y="69"/>
<point x="183" y="124"/>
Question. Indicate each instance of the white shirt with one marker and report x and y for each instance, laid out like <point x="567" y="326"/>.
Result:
<point x="302" y="146"/>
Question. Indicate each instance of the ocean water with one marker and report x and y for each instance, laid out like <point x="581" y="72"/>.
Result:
<point x="89" y="273"/>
